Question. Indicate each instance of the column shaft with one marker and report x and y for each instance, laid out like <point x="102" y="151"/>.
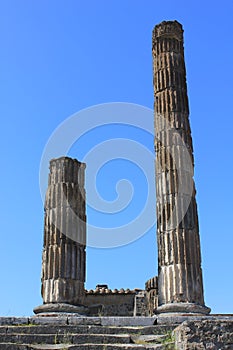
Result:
<point x="180" y="286"/>
<point x="63" y="266"/>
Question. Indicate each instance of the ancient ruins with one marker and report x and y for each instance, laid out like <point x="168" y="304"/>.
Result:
<point x="64" y="251"/>
<point x="179" y="286"/>
<point x="171" y="309"/>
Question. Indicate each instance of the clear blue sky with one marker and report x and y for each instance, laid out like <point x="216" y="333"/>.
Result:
<point x="58" y="57"/>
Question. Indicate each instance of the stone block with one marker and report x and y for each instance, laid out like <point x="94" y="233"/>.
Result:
<point x="127" y="321"/>
<point x="13" y="320"/>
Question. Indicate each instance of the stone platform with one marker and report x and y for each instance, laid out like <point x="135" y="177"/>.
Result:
<point x="67" y="331"/>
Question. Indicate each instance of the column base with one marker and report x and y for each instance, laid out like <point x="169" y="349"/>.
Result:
<point x="60" y="308"/>
<point x="183" y="308"/>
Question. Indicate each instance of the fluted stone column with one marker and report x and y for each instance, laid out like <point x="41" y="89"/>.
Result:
<point x="64" y="248"/>
<point x="180" y="285"/>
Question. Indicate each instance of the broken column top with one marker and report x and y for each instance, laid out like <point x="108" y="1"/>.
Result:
<point x="172" y="29"/>
<point x="66" y="169"/>
<point x="65" y="159"/>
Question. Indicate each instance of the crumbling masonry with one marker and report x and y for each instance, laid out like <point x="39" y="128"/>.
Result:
<point x="179" y="286"/>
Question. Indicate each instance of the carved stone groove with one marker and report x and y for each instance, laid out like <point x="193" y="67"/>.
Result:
<point x="180" y="285"/>
<point x="64" y="248"/>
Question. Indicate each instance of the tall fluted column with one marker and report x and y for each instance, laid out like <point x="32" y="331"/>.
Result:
<point x="64" y="248"/>
<point x="180" y="285"/>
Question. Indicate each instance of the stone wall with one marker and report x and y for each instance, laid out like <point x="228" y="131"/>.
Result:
<point x="103" y="301"/>
<point x="206" y="334"/>
<point x="111" y="302"/>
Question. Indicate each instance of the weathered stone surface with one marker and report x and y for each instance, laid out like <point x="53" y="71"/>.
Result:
<point x="206" y="334"/>
<point x="127" y="321"/>
<point x="86" y="329"/>
<point x="13" y="320"/>
<point x="113" y="304"/>
<point x="197" y="332"/>
<point x="43" y="320"/>
<point x="151" y="287"/>
<point x="180" y="273"/>
<point x="137" y="339"/>
<point x="66" y="346"/>
<point x="179" y="307"/>
<point x="74" y="320"/>
<point x="64" y="249"/>
<point x="97" y="347"/>
<point x="178" y="318"/>
<point x="61" y="308"/>
<point x="141" y="304"/>
<point x="65" y="338"/>
<point x="51" y="335"/>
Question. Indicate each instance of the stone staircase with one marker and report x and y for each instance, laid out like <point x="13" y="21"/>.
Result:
<point x="72" y="334"/>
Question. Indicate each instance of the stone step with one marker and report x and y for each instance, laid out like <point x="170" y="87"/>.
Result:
<point x="75" y="320"/>
<point x="141" y="339"/>
<point x="8" y="346"/>
<point x="65" y="338"/>
<point x="73" y="333"/>
<point x="84" y="329"/>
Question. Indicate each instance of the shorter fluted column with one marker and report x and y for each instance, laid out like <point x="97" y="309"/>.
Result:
<point x="64" y="248"/>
